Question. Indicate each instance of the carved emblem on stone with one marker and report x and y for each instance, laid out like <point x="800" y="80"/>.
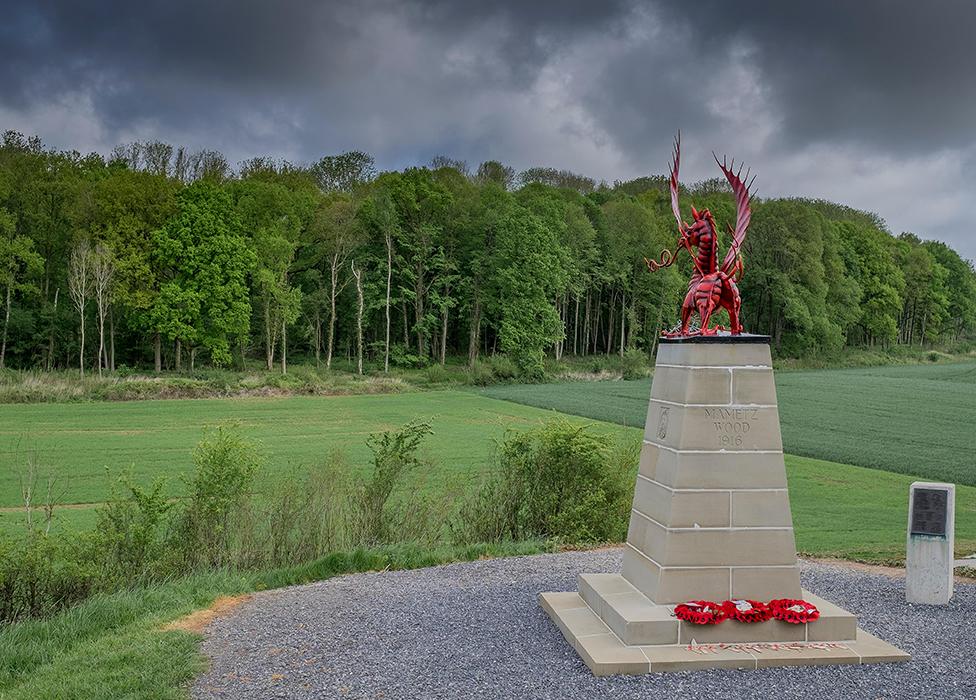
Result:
<point x="662" y="426"/>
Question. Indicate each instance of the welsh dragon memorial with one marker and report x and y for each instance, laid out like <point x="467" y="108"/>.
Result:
<point x="710" y="576"/>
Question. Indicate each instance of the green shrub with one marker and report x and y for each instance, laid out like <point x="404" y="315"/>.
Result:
<point x="128" y="542"/>
<point x="480" y="374"/>
<point x="40" y="575"/>
<point x="225" y="468"/>
<point x="503" y="367"/>
<point x="559" y="481"/>
<point x="401" y="356"/>
<point x="394" y="456"/>
<point x="634" y="364"/>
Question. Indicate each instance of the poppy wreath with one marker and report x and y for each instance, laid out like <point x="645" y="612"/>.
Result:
<point x="797" y="612"/>
<point x="700" y="612"/>
<point x="747" y="610"/>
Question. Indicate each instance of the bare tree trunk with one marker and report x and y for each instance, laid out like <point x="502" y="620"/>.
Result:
<point x="657" y="329"/>
<point x="81" y="347"/>
<point x="444" y="335"/>
<point x="418" y="308"/>
<point x="111" y="339"/>
<point x="6" y="323"/>
<point x="158" y="348"/>
<point x="318" y="336"/>
<point x="597" y="317"/>
<point x="193" y="357"/>
<point x="284" y="345"/>
<point x="80" y="287"/>
<point x="474" y="332"/>
<point x="558" y="345"/>
<point x="586" y="324"/>
<point x="576" y="324"/>
<point x="268" y="334"/>
<point x="101" y="337"/>
<point x="358" y="275"/>
<point x="179" y="355"/>
<point x="334" y="282"/>
<point x="102" y="272"/>
<point x="50" y="340"/>
<point x="389" y="281"/>
<point x="623" y="316"/>
<point x="406" y="324"/>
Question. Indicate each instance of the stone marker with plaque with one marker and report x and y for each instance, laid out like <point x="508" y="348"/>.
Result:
<point x="711" y="532"/>
<point x="929" y="554"/>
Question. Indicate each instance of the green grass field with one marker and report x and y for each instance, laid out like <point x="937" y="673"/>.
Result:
<point x="911" y="419"/>
<point x="838" y="509"/>
<point x="86" y="446"/>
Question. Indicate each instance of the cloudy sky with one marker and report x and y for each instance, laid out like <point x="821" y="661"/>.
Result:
<point x="870" y="103"/>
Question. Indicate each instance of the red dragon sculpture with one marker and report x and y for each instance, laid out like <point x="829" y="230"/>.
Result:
<point x="711" y="287"/>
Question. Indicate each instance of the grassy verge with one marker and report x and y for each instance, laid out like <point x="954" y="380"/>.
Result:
<point x="302" y="379"/>
<point x="861" y="514"/>
<point x="113" y="646"/>
<point x="308" y="379"/>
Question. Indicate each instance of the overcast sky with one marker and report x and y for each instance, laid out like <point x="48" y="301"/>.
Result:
<point x="869" y="103"/>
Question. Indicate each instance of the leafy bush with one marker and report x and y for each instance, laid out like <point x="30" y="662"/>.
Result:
<point x="394" y="455"/>
<point x="128" y="534"/>
<point x="558" y="481"/>
<point x="503" y="367"/>
<point x="400" y="356"/>
<point x="634" y="364"/>
<point x="481" y="374"/>
<point x="40" y="575"/>
<point x="225" y="467"/>
<point x="494" y="369"/>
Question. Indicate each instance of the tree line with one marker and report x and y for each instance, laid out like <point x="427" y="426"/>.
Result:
<point x="158" y="257"/>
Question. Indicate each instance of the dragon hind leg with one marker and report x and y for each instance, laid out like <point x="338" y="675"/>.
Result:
<point x="732" y="302"/>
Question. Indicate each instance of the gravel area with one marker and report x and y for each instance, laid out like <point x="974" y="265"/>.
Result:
<point x="476" y="630"/>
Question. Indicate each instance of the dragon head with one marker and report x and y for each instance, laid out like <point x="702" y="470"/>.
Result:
<point x="702" y="223"/>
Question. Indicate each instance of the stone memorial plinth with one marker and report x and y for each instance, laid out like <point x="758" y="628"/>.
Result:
<point x="929" y="557"/>
<point x="710" y="520"/>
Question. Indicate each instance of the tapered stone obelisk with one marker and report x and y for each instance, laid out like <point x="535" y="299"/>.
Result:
<point x="710" y="520"/>
<point x="711" y="516"/>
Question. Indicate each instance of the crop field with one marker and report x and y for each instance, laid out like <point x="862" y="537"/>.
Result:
<point x="911" y="419"/>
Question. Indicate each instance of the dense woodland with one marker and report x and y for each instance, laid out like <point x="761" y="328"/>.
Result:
<point x="156" y="257"/>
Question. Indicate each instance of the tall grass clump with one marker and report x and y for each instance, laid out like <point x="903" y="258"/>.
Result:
<point x="560" y="481"/>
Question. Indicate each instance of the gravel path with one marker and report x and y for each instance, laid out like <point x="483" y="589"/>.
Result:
<point x="475" y="630"/>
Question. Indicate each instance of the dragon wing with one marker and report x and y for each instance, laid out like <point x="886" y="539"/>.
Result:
<point x="675" y="162"/>
<point x="743" y="214"/>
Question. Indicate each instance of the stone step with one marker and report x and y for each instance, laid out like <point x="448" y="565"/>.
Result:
<point x="636" y="620"/>
<point x="605" y="654"/>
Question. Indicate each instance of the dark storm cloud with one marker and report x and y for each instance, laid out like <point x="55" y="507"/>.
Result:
<point x="894" y="73"/>
<point x="869" y="102"/>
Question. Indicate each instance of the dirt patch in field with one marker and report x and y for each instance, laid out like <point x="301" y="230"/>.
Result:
<point x="198" y="620"/>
